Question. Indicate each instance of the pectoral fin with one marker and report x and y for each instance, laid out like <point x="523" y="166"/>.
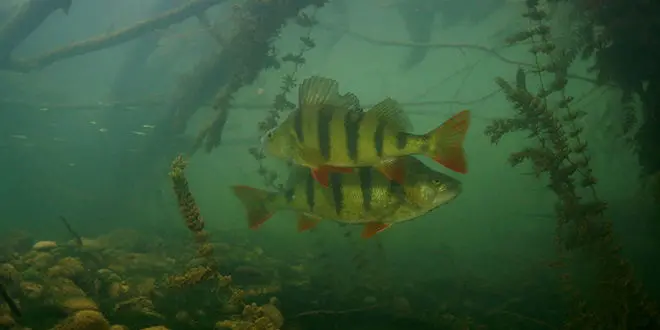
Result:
<point x="394" y="170"/>
<point x="322" y="173"/>
<point x="373" y="228"/>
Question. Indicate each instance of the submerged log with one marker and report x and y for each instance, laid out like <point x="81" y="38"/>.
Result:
<point x="25" y="21"/>
<point x="192" y="8"/>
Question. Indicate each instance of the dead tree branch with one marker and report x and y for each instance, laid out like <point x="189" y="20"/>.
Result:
<point x="192" y="8"/>
<point x="25" y="21"/>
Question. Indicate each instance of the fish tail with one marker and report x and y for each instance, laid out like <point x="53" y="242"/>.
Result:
<point x="445" y="143"/>
<point x="254" y="201"/>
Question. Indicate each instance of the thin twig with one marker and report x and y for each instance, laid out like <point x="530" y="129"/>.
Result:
<point x="73" y="233"/>
<point x="337" y="312"/>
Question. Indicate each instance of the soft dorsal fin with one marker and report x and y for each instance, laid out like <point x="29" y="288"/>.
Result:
<point x="317" y="90"/>
<point x="391" y="112"/>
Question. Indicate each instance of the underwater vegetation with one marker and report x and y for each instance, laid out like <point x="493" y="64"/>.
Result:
<point x="220" y="279"/>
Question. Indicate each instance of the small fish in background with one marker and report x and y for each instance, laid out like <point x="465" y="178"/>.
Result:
<point x="330" y="133"/>
<point x="92" y="122"/>
<point x="364" y="196"/>
<point x="18" y="137"/>
<point x="44" y="109"/>
<point x="103" y="130"/>
<point x="148" y="126"/>
<point x="139" y="133"/>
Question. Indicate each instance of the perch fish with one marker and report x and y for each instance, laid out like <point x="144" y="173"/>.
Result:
<point x="364" y="196"/>
<point x="330" y="133"/>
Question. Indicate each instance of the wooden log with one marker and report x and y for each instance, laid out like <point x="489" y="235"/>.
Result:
<point x="168" y="18"/>
<point x="25" y="21"/>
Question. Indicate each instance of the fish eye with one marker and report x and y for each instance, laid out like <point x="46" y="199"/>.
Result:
<point x="436" y="182"/>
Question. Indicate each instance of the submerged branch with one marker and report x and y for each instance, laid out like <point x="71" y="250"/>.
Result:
<point x="192" y="8"/>
<point x="28" y="18"/>
<point x="437" y="45"/>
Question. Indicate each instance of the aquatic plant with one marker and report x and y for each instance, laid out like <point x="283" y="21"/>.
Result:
<point x="281" y="103"/>
<point x="621" y="38"/>
<point x="258" y="24"/>
<point x="613" y="298"/>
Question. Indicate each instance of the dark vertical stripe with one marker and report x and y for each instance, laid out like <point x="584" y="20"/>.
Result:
<point x="379" y="137"/>
<point x="324" y="120"/>
<point x="366" y="186"/>
<point x="337" y="191"/>
<point x="402" y="140"/>
<point x="352" y="125"/>
<point x="397" y="191"/>
<point x="298" y="126"/>
<point x="309" y="192"/>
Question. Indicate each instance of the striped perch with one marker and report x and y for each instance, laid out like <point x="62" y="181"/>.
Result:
<point x="330" y="133"/>
<point x="364" y="196"/>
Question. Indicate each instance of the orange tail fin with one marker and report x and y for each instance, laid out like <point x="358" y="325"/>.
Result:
<point x="446" y="142"/>
<point x="254" y="201"/>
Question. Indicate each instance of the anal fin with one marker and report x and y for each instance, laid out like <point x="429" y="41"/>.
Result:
<point x="373" y="228"/>
<point x="307" y="222"/>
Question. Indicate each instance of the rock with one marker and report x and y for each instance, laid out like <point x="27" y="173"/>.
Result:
<point x="44" y="245"/>
<point x="118" y="327"/>
<point x="77" y="304"/>
<point x="84" y="320"/>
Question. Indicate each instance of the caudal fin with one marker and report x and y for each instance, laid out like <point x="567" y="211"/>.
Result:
<point x="446" y="142"/>
<point x="253" y="200"/>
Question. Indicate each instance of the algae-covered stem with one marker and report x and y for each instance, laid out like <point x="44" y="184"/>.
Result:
<point x="10" y="302"/>
<point x="187" y="205"/>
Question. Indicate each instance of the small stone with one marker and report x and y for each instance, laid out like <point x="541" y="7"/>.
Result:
<point x="44" y="245"/>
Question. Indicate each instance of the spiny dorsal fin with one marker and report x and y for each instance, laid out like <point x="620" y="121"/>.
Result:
<point x="349" y="101"/>
<point x="391" y="112"/>
<point x="317" y="90"/>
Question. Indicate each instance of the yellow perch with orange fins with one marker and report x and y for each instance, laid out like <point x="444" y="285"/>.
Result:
<point x="330" y="133"/>
<point x="364" y="196"/>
